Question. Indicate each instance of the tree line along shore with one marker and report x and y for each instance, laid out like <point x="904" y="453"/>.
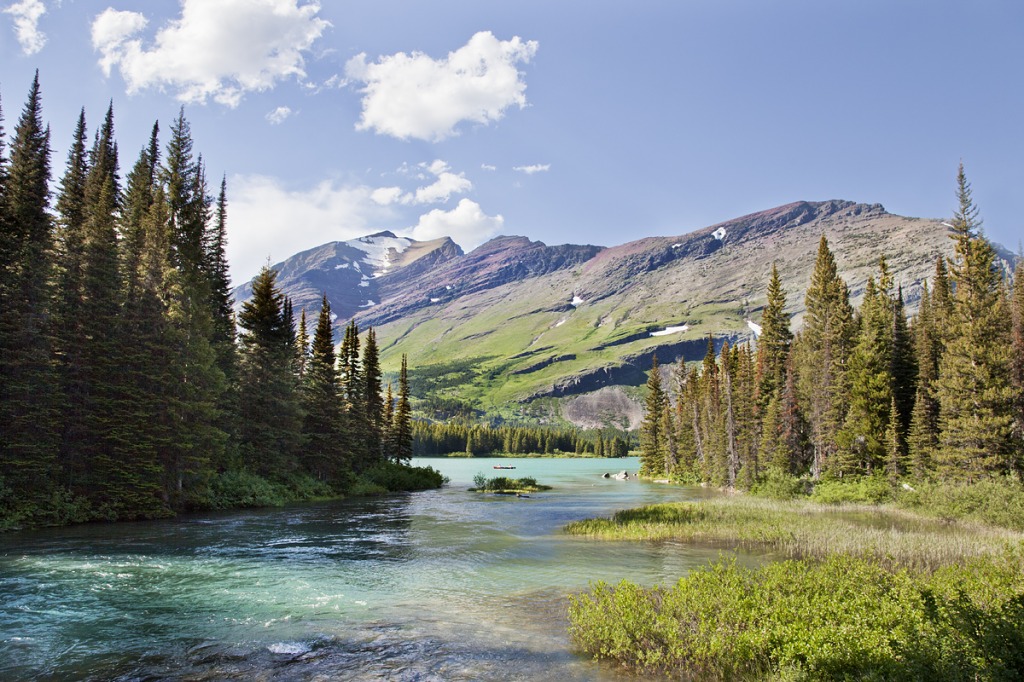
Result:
<point x="129" y="388"/>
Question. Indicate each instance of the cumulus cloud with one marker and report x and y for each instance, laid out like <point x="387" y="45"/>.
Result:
<point x="444" y="186"/>
<point x="217" y="49"/>
<point x="279" y="115"/>
<point x="535" y="168"/>
<point x="26" y="16"/>
<point x="416" y="96"/>
<point x="488" y="167"/>
<point x="266" y="219"/>
<point x="466" y="224"/>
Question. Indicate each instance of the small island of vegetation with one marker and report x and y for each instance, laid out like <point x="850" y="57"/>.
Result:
<point x="501" y="485"/>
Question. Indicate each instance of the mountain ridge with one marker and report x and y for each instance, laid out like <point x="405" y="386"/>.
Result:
<point x="526" y="327"/>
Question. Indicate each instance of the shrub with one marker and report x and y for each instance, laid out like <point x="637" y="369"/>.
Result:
<point x="842" y="618"/>
<point x="862" y="489"/>
<point x="779" y="486"/>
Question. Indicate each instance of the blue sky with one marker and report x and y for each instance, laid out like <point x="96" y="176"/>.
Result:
<point x="566" y="121"/>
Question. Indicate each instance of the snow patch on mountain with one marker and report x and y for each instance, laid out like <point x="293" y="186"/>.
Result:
<point x="671" y="330"/>
<point x="719" y="234"/>
<point x="576" y="301"/>
<point x="754" y="327"/>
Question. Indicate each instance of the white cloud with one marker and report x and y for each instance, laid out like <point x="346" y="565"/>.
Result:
<point x="279" y="115"/>
<point x="466" y="224"/>
<point x="415" y="96"/>
<point x="267" y="219"/>
<point x="488" y="167"/>
<point x="438" y="192"/>
<point x="26" y="16"/>
<point x="217" y="49"/>
<point x="535" y="168"/>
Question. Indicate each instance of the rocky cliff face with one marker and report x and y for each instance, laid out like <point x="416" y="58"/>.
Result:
<point x="522" y="320"/>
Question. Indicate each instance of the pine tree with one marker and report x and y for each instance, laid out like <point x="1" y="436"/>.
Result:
<point x="402" y="426"/>
<point x="324" y="444"/>
<point x="861" y="440"/>
<point x="1017" y="366"/>
<point x="302" y="349"/>
<point x="28" y="383"/>
<point x="373" y="401"/>
<point x="201" y="383"/>
<point x="923" y="432"/>
<point x="652" y="436"/>
<point x="973" y="387"/>
<point x="774" y="341"/>
<point x="823" y="355"/>
<point x="388" y="436"/>
<point x="68" y="314"/>
<point x="270" y="417"/>
<point x="353" y="397"/>
<point x="902" y="369"/>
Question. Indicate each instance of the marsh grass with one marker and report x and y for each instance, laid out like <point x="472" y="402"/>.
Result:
<point x="799" y="528"/>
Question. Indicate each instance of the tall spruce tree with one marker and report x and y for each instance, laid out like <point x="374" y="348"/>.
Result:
<point x="402" y="426"/>
<point x="652" y="435"/>
<point x="1017" y="363"/>
<point x="201" y="383"/>
<point x="373" y="400"/>
<point x="823" y="354"/>
<point x="973" y="387"/>
<point x="270" y="427"/>
<point x="861" y="440"/>
<point x="323" y="442"/>
<point x="68" y="299"/>
<point x="28" y="382"/>
<point x="774" y="341"/>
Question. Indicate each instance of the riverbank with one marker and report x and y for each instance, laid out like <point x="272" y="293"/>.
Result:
<point x="867" y="591"/>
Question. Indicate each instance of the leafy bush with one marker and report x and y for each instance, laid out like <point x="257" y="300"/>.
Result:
<point x="240" y="488"/>
<point x="862" y="489"/>
<point x="503" y="484"/>
<point x="393" y="477"/>
<point x="842" y="618"/>
<point x="779" y="486"/>
<point x="999" y="502"/>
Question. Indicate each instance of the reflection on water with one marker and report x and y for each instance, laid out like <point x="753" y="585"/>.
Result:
<point x="443" y="585"/>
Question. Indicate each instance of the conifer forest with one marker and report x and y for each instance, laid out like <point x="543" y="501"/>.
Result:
<point x="127" y="392"/>
<point x="858" y="392"/>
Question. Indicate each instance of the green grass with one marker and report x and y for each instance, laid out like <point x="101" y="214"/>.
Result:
<point x="802" y="528"/>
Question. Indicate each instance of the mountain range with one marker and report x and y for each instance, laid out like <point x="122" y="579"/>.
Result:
<point x="517" y="330"/>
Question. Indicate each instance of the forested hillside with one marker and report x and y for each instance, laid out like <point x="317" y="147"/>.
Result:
<point x="858" y="392"/>
<point x="125" y="392"/>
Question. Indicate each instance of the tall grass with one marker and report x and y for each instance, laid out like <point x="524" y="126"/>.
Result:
<point x="807" y="529"/>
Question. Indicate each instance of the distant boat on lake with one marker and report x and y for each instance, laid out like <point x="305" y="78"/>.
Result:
<point x="503" y="466"/>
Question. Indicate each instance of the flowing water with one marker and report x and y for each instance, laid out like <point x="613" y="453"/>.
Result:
<point x="439" y="585"/>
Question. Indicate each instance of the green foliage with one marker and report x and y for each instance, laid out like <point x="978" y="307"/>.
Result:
<point x="843" y="618"/>
<point x="505" y="485"/>
<point x="995" y="501"/>
<point x="395" y="477"/>
<point x="861" y="489"/>
<point x="777" y="485"/>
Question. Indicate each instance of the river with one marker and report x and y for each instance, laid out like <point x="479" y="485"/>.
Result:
<point x="439" y="585"/>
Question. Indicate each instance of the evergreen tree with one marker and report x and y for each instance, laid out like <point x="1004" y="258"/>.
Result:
<point x="774" y="341"/>
<point x="902" y="368"/>
<point x="652" y="435"/>
<point x="923" y="433"/>
<point x="402" y="426"/>
<point x="28" y="383"/>
<point x="201" y="383"/>
<point x="824" y="351"/>
<point x="861" y="441"/>
<point x="973" y="387"/>
<point x="68" y="314"/>
<point x="270" y="424"/>
<point x="1017" y="363"/>
<point x="324" y="444"/>
<point x="374" y="402"/>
